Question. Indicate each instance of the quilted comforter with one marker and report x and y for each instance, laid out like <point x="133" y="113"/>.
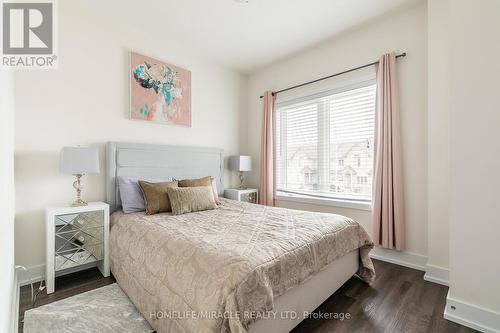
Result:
<point x="217" y="270"/>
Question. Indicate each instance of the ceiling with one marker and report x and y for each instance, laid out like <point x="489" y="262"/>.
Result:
<point x="244" y="36"/>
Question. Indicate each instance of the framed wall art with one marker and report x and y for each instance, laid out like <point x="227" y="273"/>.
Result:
<point x="159" y="92"/>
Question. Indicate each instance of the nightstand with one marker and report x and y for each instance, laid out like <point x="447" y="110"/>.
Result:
<point x="247" y="195"/>
<point x="77" y="238"/>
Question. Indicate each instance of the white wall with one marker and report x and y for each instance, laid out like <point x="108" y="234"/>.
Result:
<point x="475" y="158"/>
<point x="7" y="282"/>
<point x="85" y="101"/>
<point x="402" y="31"/>
<point x="438" y="145"/>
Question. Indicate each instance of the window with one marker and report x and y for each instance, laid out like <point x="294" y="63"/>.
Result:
<point x="324" y="144"/>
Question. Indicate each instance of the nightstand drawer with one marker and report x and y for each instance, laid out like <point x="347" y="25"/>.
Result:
<point x="77" y="238"/>
<point x="250" y="195"/>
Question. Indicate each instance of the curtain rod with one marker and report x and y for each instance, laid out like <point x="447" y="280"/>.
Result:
<point x="330" y="76"/>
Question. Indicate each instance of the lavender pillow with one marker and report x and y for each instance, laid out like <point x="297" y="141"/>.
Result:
<point x="131" y="194"/>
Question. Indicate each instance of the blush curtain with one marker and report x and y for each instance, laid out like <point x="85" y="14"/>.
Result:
<point x="267" y="152"/>
<point x="388" y="210"/>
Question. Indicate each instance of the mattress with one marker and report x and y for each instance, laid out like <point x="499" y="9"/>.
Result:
<point x="221" y="270"/>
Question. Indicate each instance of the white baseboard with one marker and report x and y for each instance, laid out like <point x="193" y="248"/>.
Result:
<point x="472" y="316"/>
<point x="14" y="327"/>
<point x="407" y="259"/>
<point x="437" y="274"/>
<point x="35" y="273"/>
<point x="433" y="273"/>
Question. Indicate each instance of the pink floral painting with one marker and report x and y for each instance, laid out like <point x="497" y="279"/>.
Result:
<point x="159" y="92"/>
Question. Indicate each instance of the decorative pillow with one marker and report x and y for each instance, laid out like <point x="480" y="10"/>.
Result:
<point x="131" y="194"/>
<point x="155" y="196"/>
<point x="205" y="181"/>
<point x="191" y="199"/>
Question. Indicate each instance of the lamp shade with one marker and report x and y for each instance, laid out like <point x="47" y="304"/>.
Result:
<point x="79" y="160"/>
<point x="240" y="163"/>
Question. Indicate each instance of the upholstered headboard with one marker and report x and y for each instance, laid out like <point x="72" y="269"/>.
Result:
<point x="147" y="160"/>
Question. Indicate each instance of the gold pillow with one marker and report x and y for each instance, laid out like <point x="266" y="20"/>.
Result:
<point x="205" y="181"/>
<point x="155" y="196"/>
<point x="191" y="199"/>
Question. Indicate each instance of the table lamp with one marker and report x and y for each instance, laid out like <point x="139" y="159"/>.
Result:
<point x="241" y="164"/>
<point x="79" y="161"/>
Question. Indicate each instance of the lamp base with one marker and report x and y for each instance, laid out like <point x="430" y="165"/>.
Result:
<point x="242" y="180"/>
<point x="79" y="203"/>
<point x="78" y="186"/>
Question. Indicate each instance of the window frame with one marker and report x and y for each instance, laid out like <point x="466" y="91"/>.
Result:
<point x="318" y="199"/>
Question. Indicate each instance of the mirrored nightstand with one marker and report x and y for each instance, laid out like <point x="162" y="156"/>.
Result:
<point x="247" y="195"/>
<point x="77" y="239"/>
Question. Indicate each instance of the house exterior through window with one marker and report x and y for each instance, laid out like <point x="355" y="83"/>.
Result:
<point x="324" y="144"/>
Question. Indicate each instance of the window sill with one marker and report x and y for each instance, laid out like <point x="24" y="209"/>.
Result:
<point x="280" y="196"/>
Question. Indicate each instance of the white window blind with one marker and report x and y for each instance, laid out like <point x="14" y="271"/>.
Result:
<point x="324" y="144"/>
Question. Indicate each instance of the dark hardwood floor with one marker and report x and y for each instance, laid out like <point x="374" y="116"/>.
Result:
<point x="399" y="300"/>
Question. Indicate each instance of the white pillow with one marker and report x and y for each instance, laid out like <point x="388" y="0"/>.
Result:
<point x="215" y="190"/>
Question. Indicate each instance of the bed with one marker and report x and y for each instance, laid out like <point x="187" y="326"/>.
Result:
<point x="239" y="268"/>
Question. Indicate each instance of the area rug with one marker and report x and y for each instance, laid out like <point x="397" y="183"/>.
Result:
<point x="107" y="309"/>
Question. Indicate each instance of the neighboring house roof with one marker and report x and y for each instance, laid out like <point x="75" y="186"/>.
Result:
<point x="346" y="148"/>
<point x="343" y="151"/>
<point x="305" y="151"/>
<point x="348" y="168"/>
<point x="308" y="170"/>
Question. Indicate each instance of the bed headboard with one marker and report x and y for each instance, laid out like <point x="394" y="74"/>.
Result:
<point x="147" y="160"/>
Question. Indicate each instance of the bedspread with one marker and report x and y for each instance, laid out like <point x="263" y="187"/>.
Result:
<point x="217" y="270"/>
